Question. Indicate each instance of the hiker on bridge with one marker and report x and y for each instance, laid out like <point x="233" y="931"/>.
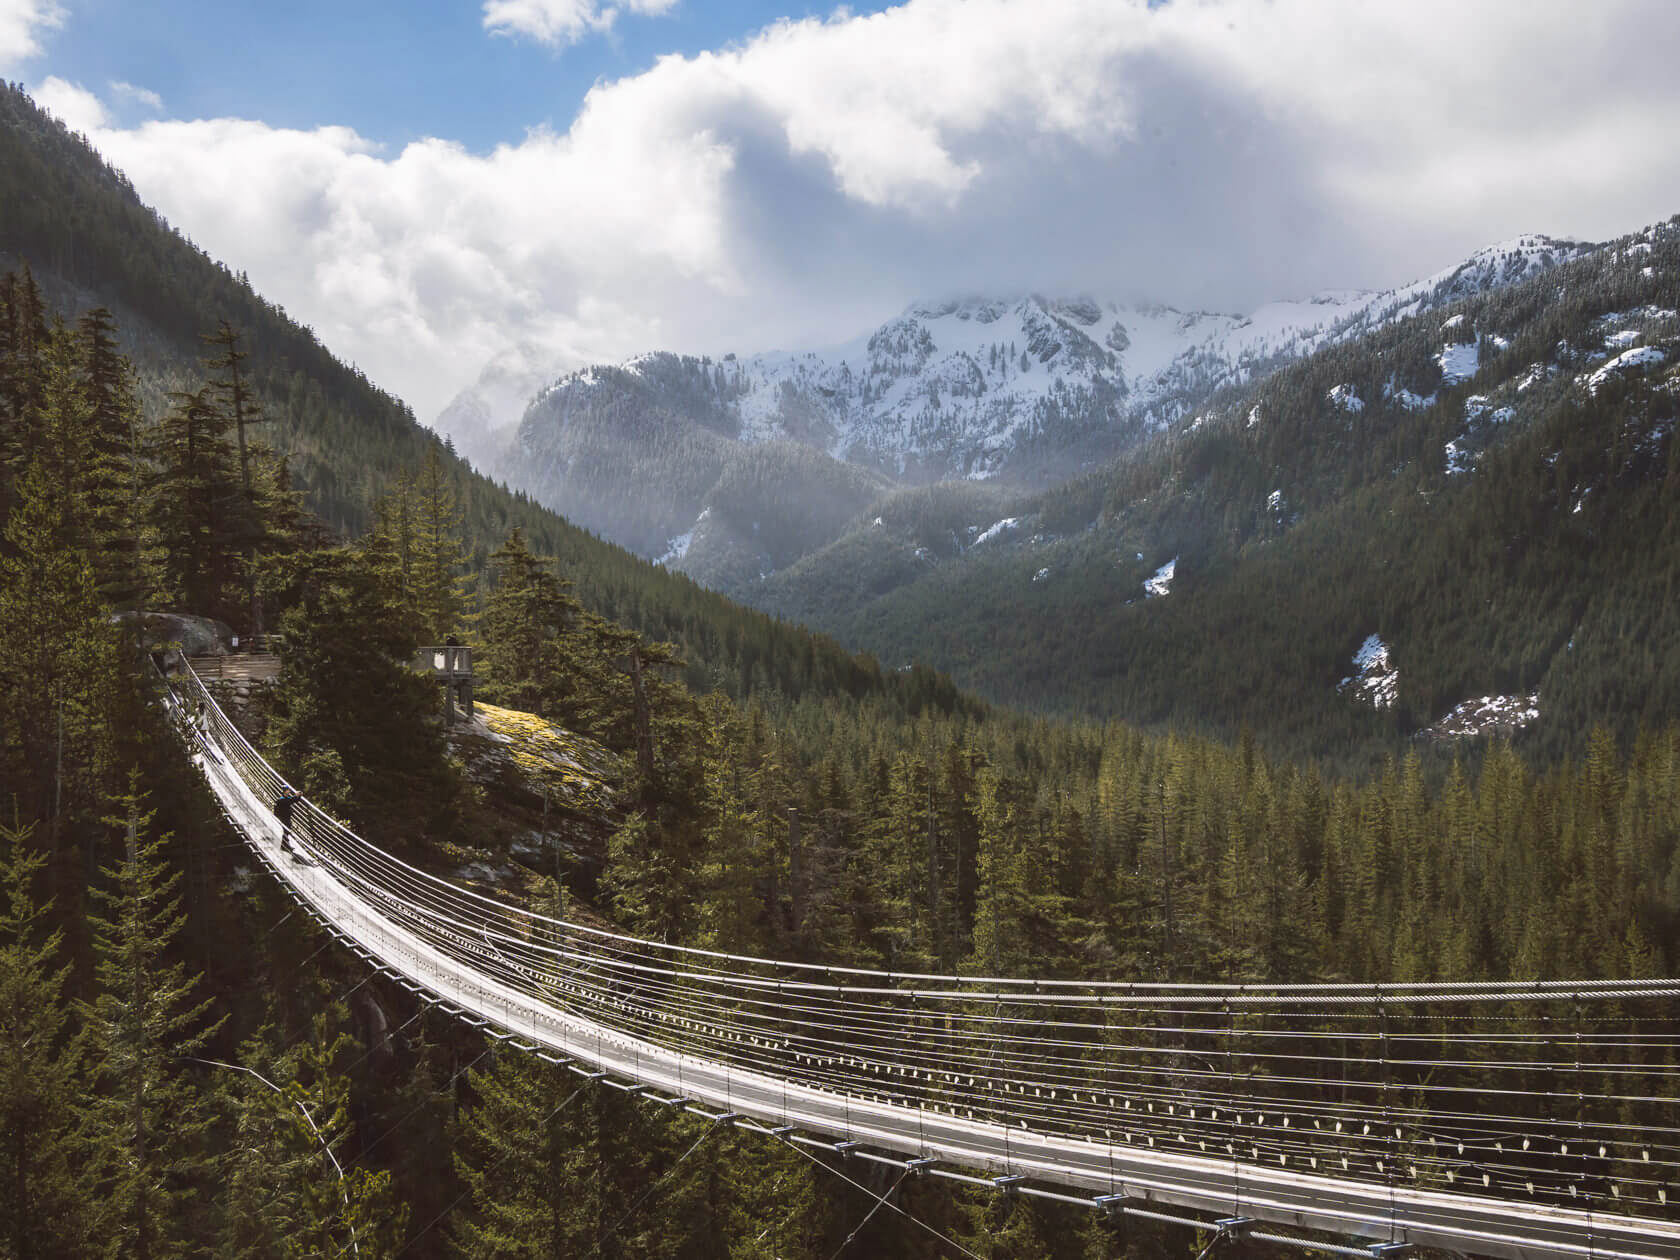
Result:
<point x="283" y="808"/>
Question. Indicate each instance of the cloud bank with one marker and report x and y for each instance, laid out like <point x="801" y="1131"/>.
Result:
<point x="796" y="187"/>
<point x="21" y="24"/>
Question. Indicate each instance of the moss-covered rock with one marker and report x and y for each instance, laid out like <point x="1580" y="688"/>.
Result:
<point x="523" y="754"/>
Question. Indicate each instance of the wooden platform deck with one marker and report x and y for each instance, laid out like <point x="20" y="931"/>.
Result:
<point x="238" y="667"/>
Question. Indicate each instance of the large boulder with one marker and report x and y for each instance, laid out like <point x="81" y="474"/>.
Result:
<point x="192" y="636"/>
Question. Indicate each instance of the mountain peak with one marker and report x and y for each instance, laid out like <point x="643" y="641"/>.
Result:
<point x="1029" y="385"/>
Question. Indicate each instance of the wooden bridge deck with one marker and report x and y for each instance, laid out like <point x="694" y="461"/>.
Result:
<point x="238" y="667"/>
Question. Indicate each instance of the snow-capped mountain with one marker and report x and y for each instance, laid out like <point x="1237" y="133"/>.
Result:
<point x="481" y="419"/>
<point x="1464" y="503"/>
<point x="1027" y="386"/>
<point x="985" y="386"/>
<point x="1025" y="390"/>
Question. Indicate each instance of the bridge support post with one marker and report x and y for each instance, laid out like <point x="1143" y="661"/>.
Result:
<point x="1235" y="1227"/>
<point x="1113" y="1209"/>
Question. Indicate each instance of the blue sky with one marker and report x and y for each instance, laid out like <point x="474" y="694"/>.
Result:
<point x="395" y="70"/>
<point x="539" y="184"/>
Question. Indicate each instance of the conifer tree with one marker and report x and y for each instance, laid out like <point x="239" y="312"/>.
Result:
<point x="58" y="672"/>
<point x="238" y="403"/>
<point x="440" y="585"/>
<point x="1005" y="1227"/>
<point x="733" y="860"/>
<point x="351" y="718"/>
<point x="64" y="435"/>
<point x="23" y="341"/>
<point x="648" y="877"/>
<point x="558" y="1167"/>
<point x="528" y="616"/>
<point x="263" y="1167"/>
<point x="147" y="1120"/>
<point x="294" y="1191"/>
<point x="196" y="513"/>
<point x="394" y="521"/>
<point x="237" y="400"/>
<point x="42" y="1201"/>
<point x="997" y="914"/>
<point x="114" y="477"/>
<point x="622" y="697"/>
<point x="516" y="1158"/>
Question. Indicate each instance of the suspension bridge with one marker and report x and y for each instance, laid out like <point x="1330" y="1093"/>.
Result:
<point x="1503" y="1119"/>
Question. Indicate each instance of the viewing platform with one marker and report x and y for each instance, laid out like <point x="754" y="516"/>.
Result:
<point x="451" y="665"/>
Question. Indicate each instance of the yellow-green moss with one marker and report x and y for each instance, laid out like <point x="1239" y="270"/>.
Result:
<point x="569" y="767"/>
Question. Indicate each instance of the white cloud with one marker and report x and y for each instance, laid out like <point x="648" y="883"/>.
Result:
<point x="561" y="22"/>
<point x="798" y="186"/>
<point x="139" y="95"/>
<point x="72" y="104"/>
<point x="21" y="24"/>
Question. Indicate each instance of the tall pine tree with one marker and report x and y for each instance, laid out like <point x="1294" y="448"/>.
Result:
<point x="43" y="1201"/>
<point x="147" y="1118"/>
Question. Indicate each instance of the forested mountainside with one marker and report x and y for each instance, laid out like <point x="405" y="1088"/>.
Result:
<point x="347" y="444"/>
<point x="686" y="459"/>
<point x="1478" y="502"/>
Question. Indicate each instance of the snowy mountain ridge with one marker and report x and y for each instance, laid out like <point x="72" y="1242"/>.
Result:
<point x="1028" y="386"/>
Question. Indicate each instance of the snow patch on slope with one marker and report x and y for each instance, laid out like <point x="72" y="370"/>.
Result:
<point x="1639" y="357"/>
<point x="678" y="547"/>
<point x="1406" y="398"/>
<point x="1486" y="715"/>
<point x="998" y="529"/>
<point x="1161" y="583"/>
<point x="1344" y="397"/>
<point x="1459" y="361"/>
